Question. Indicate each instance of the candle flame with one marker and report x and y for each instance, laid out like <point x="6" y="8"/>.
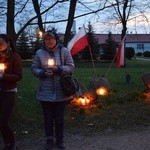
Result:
<point x="83" y="101"/>
<point x="2" y="67"/>
<point x="51" y="62"/>
<point x="86" y="99"/>
<point x="101" y="91"/>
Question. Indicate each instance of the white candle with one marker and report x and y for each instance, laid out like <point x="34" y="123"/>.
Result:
<point x="51" y="62"/>
<point x="2" y="67"/>
<point x="83" y="102"/>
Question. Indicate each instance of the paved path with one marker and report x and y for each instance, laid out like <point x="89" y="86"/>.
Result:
<point x="119" y="141"/>
<point x="146" y="59"/>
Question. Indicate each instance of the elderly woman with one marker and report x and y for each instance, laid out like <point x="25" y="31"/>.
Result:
<point x="48" y="68"/>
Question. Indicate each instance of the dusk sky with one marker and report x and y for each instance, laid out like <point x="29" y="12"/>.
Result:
<point x="139" y="20"/>
<point x="102" y="21"/>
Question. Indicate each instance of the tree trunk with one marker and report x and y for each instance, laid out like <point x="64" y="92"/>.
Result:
<point x="37" y="10"/>
<point x="70" y="21"/>
<point x="10" y="29"/>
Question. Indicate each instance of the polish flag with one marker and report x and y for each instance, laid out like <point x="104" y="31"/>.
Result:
<point x="78" y="42"/>
<point x="120" y="53"/>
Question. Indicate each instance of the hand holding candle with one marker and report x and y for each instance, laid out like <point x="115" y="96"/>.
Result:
<point x="2" y="68"/>
<point x="51" y="63"/>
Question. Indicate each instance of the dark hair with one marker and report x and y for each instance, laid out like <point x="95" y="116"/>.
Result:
<point x="7" y="40"/>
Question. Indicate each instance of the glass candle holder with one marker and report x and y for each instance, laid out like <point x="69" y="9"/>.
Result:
<point x="2" y="68"/>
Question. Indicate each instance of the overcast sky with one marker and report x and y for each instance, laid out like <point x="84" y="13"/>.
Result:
<point x="100" y="21"/>
<point x="138" y="23"/>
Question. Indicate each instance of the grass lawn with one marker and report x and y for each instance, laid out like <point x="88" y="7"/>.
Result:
<point x="124" y="108"/>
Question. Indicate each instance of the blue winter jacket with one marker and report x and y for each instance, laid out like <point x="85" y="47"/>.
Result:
<point x="50" y="89"/>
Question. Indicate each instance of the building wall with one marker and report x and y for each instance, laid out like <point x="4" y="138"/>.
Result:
<point x="139" y="47"/>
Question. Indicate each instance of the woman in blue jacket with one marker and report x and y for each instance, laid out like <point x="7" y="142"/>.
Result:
<point x="48" y="68"/>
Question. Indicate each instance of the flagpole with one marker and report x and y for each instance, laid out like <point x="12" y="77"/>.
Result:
<point x="124" y="51"/>
<point x="114" y="58"/>
<point x="91" y="55"/>
<point x="110" y="65"/>
<point x="92" y="60"/>
<point x="121" y="62"/>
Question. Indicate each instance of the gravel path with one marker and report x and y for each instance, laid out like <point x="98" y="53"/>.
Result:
<point x="109" y="141"/>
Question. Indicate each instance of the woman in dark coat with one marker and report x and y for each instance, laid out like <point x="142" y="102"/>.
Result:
<point x="10" y="74"/>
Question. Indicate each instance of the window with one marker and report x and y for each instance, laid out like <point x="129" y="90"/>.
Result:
<point x="140" y="46"/>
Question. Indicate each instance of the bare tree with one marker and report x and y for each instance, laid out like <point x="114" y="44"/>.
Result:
<point x="12" y="17"/>
<point x="10" y="20"/>
<point x="37" y="10"/>
<point x="10" y="26"/>
<point x="34" y="14"/>
<point x="123" y="10"/>
<point x="70" y="21"/>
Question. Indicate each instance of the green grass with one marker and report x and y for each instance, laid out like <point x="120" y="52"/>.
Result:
<point x="123" y="108"/>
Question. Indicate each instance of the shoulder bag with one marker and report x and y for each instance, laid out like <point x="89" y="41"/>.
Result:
<point x="69" y="83"/>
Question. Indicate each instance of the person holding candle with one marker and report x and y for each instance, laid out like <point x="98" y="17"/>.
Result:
<point x="48" y="68"/>
<point x="10" y="74"/>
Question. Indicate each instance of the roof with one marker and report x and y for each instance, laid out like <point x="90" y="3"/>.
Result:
<point x="131" y="38"/>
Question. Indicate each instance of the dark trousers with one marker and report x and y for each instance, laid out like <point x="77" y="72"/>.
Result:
<point x="7" y="100"/>
<point x="54" y="119"/>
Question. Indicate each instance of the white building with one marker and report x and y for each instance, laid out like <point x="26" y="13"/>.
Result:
<point x="140" y="42"/>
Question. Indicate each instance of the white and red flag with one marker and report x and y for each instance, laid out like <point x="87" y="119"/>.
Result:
<point x="78" y="42"/>
<point x="121" y="54"/>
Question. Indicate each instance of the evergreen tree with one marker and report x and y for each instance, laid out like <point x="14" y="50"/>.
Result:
<point x="36" y="44"/>
<point x="94" y="45"/>
<point x="23" y="46"/>
<point x="109" y="48"/>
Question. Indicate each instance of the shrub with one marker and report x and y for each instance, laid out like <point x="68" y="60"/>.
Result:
<point x="129" y="52"/>
<point x="139" y="54"/>
<point x="146" y="54"/>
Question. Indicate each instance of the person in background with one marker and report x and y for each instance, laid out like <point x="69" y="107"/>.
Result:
<point x="10" y="74"/>
<point x="48" y="68"/>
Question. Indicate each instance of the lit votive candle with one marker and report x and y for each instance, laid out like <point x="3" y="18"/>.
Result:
<point x="51" y="62"/>
<point x="2" y="68"/>
<point x="101" y="91"/>
<point x="83" y="101"/>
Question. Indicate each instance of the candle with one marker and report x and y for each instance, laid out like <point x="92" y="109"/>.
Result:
<point x="83" y="102"/>
<point x="2" y="67"/>
<point x="101" y="91"/>
<point x="51" y="62"/>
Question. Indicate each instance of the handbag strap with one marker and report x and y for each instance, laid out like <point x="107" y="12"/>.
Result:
<point x="60" y="56"/>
